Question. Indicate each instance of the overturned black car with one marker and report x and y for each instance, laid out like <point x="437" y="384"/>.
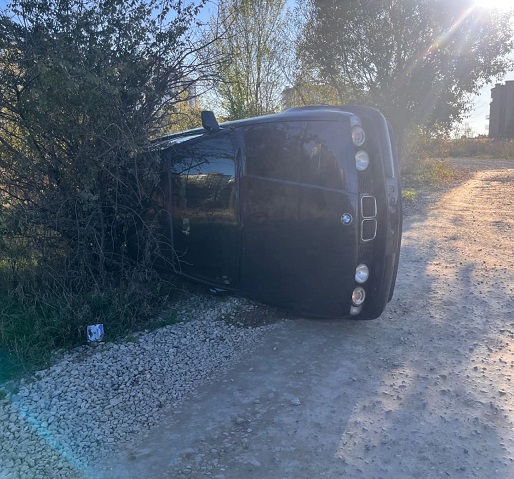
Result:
<point x="300" y="209"/>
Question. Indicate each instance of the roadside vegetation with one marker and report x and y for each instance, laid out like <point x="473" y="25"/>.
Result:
<point x="476" y="148"/>
<point x="85" y="86"/>
<point x="430" y="168"/>
<point x="425" y="174"/>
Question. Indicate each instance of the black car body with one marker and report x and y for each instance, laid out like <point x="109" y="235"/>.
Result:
<point x="275" y="207"/>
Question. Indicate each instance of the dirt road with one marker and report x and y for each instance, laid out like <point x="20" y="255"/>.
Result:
<point x="426" y="391"/>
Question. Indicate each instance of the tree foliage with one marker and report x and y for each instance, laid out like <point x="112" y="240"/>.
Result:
<point x="304" y="84"/>
<point x="83" y="86"/>
<point x="250" y="44"/>
<point x="419" y="62"/>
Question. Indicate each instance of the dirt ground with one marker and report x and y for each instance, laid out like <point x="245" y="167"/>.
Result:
<point x="423" y="392"/>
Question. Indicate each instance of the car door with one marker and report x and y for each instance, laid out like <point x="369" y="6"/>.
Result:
<point x="205" y="216"/>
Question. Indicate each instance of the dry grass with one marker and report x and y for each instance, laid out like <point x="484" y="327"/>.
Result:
<point x="424" y="165"/>
<point x="475" y="148"/>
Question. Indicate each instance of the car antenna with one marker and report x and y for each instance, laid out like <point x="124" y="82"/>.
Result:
<point x="209" y="121"/>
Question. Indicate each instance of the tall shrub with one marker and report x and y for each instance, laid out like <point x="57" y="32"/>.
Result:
<point x="83" y="86"/>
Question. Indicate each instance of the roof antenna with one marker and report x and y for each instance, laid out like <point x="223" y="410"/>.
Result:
<point x="209" y="121"/>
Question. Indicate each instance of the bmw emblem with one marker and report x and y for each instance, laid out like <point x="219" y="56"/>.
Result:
<point x="346" y="219"/>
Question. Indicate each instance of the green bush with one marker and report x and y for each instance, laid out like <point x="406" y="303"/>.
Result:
<point x="84" y="86"/>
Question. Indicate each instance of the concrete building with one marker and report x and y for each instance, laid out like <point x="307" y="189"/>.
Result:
<point x="501" y="117"/>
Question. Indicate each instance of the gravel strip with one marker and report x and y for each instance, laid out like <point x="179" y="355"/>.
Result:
<point x="58" y="423"/>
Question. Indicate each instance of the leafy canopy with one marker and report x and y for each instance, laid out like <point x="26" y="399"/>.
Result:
<point x="419" y="62"/>
<point x="249" y="42"/>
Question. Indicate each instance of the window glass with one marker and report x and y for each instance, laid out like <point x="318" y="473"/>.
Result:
<point x="203" y="174"/>
<point x="204" y="207"/>
<point x="207" y="156"/>
<point x="307" y="152"/>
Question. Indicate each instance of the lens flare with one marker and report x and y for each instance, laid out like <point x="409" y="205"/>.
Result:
<point x="503" y="5"/>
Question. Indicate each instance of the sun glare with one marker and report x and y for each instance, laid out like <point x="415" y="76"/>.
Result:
<point x="503" y="5"/>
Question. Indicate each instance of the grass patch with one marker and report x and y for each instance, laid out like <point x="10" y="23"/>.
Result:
<point x="439" y="172"/>
<point x="161" y="321"/>
<point x="130" y="338"/>
<point x="32" y="326"/>
<point x="409" y="194"/>
<point x="9" y="367"/>
<point x="426" y="173"/>
<point x="477" y="148"/>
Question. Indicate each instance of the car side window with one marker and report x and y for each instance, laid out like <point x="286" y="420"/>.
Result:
<point x="203" y="173"/>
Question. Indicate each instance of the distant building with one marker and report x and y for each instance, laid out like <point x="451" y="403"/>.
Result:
<point x="186" y="89"/>
<point x="184" y="92"/>
<point x="501" y="118"/>
<point x="288" y="98"/>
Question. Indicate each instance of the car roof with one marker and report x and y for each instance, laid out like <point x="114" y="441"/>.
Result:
<point x="303" y="113"/>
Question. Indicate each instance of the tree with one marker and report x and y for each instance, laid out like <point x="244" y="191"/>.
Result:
<point x="304" y="84"/>
<point x="307" y="89"/>
<point x="250" y="45"/>
<point x="83" y="87"/>
<point x="419" y="62"/>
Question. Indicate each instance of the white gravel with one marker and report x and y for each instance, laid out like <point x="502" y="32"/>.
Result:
<point x="65" y="418"/>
